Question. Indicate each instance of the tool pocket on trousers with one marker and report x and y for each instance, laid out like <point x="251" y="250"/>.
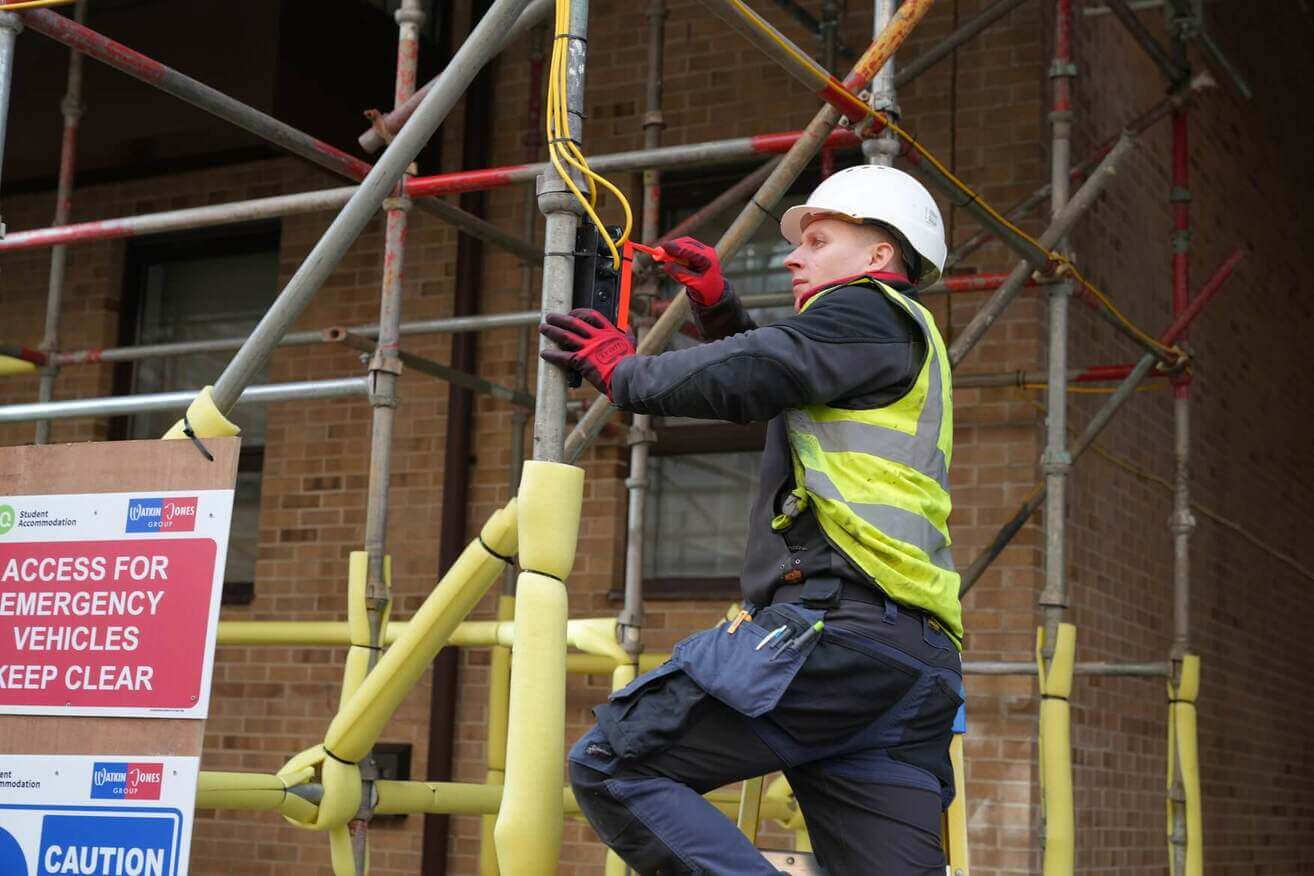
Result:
<point x="649" y="713"/>
<point x="841" y="690"/>
<point x="732" y="668"/>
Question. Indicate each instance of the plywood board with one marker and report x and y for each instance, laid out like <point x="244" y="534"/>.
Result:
<point x="110" y="467"/>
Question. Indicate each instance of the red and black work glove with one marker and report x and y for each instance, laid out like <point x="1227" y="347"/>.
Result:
<point x="701" y="272"/>
<point x="589" y="344"/>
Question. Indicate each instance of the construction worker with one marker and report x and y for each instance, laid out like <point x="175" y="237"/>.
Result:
<point x="843" y="669"/>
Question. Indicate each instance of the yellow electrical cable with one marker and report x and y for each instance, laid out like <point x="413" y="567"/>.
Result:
<point x="33" y="4"/>
<point x="561" y="148"/>
<point x="829" y="82"/>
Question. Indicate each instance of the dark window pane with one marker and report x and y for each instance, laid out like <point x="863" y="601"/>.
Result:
<point x="183" y="294"/>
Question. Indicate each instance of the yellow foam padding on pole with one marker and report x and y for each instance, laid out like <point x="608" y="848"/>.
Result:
<point x="499" y="694"/>
<point x="955" y="821"/>
<point x="10" y="365"/>
<point x="596" y="635"/>
<point x="623" y="675"/>
<point x="528" y="830"/>
<point x="358" y="626"/>
<point x="357" y="726"/>
<point x="342" y="792"/>
<point x="750" y="808"/>
<point x="342" y="856"/>
<point x="1056" y="749"/>
<point x="1184" y="752"/>
<point x="206" y="419"/>
<point x="551" y="495"/>
<point x="246" y="791"/>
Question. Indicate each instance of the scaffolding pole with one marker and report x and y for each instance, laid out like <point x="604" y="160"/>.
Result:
<point x="1184" y="808"/>
<point x="10" y="27"/>
<point x="71" y="108"/>
<point x="149" y="403"/>
<point x="805" y="147"/>
<point x="1058" y="819"/>
<point x="641" y="435"/>
<point x="385" y="368"/>
<point x="883" y="148"/>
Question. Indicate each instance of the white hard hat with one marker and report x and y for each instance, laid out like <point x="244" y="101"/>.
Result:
<point x="883" y="195"/>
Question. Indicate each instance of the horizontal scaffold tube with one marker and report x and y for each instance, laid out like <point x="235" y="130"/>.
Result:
<point x="114" y="406"/>
<point x="456" y="798"/>
<point x="1094" y="374"/>
<point x="640" y="159"/>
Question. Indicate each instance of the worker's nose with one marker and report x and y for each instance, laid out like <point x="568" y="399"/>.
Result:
<point x="792" y="261"/>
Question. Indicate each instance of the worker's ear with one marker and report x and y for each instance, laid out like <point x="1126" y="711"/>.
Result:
<point x="879" y="256"/>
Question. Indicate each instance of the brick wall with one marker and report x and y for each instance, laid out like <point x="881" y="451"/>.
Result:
<point x="984" y="114"/>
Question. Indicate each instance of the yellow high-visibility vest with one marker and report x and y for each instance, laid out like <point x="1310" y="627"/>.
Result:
<point x="878" y="479"/>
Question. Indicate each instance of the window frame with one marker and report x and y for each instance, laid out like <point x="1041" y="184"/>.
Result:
<point x="139" y="255"/>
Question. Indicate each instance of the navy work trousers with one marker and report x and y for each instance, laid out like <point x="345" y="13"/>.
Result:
<point x="859" y="720"/>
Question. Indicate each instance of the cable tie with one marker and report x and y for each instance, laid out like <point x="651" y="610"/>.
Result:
<point x="510" y="561"/>
<point x="753" y="200"/>
<point x="187" y="430"/>
<point x="366" y="647"/>
<point x="563" y="140"/>
<point x="1053" y="697"/>
<point x="571" y="36"/>
<point x="546" y="575"/>
<point x="570" y="253"/>
<point x="338" y="759"/>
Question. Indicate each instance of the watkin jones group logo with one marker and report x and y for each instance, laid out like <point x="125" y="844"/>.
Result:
<point x="126" y="781"/>
<point x="167" y="514"/>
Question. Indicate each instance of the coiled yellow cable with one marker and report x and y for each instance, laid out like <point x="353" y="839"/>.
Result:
<point x="562" y="150"/>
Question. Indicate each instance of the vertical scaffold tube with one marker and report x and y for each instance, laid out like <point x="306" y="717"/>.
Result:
<point x="883" y="148"/>
<point x="1185" y="813"/>
<point x="10" y="27"/>
<point x="529" y="821"/>
<point x="1059" y="819"/>
<point x="642" y="437"/>
<point x="1055" y="682"/>
<point x="1183" y="836"/>
<point x="499" y="663"/>
<point x="71" y="107"/>
<point x="955" y="817"/>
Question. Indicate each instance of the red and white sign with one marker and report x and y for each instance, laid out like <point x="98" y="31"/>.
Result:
<point x="121" y="624"/>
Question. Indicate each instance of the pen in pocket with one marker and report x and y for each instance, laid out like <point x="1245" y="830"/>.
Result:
<point x="771" y="635"/>
<point x="805" y="638"/>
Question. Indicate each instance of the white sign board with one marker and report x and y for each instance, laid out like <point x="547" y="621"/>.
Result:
<point x="109" y="602"/>
<point x="96" y="816"/>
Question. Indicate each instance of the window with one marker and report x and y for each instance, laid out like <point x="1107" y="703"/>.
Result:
<point x="194" y="288"/>
<point x="703" y="476"/>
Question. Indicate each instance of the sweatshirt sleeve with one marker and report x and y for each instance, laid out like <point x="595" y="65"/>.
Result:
<point x="851" y="345"/>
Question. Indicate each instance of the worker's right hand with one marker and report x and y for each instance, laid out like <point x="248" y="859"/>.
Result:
<point x="700" y="272"/>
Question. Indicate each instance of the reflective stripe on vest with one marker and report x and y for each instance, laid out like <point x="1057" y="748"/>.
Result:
<point x="878" y="478"/>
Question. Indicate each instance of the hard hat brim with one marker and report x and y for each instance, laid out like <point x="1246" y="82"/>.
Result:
<point x="791" y="223"/>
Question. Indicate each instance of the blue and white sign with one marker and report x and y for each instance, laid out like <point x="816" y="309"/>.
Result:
<point x="53" y="822"/>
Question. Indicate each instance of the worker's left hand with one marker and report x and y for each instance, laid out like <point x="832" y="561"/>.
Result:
<point x="589" y="344"/>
